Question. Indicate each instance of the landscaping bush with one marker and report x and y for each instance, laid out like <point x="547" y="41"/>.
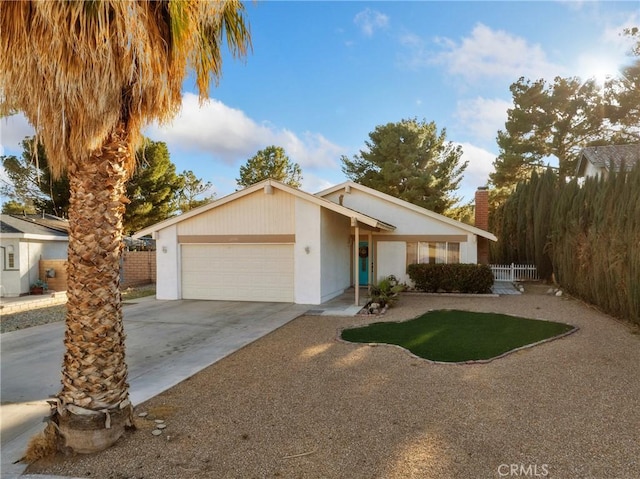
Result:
<point x="451" y="278"/>
<point x="385" y="293"/>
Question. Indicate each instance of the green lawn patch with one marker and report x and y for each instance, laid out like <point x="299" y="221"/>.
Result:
<point x="457" y="336"/>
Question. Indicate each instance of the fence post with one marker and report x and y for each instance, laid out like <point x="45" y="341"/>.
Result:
<point x="512" y="273"/>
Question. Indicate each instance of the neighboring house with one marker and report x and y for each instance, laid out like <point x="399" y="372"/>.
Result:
<point x="25" y="240"/>
<point x="271" y="242"/>
<point x="598" y="160"/>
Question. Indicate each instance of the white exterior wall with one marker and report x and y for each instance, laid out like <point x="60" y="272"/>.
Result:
<point x="307" y="252"/>
<point x="336" y="253"/>
<point x="391" y="258"/>
<point x="469" y="250"/>
<point x="27" y="255"/>
<point x="593" y="170"/>
<point x="10" y="284"/>
<point x="167" y="264"/>
<point x="255" y="214"/>
<point x="407" y="222"/>
<point x="30" y="254"/>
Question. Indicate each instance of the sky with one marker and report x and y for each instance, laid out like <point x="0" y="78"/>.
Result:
<point x="323" y="74"/>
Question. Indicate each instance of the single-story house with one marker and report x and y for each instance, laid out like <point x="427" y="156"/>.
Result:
<point x="271" y="242"/>
<point x="25" y="240"/>
<point x="597" y="160"/>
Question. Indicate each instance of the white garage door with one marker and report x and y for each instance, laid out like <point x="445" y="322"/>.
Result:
<point x="238" y="272"/>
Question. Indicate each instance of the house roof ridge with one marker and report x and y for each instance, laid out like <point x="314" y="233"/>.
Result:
<point x="27" y="225"/>
<point x="369" y="220"/>
<point x="410" y="206"/>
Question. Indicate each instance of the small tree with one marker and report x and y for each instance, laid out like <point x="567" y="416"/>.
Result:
<point x="193" y="192"/>
<point x="272" y="162"/>
<point x="13" y="207"/>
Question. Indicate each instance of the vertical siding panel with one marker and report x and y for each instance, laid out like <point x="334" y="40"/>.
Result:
<point x="257" y="213"/>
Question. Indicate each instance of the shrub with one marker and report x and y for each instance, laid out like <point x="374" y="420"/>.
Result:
<point x="449" y="278"/>
<point x="386" y="291"/>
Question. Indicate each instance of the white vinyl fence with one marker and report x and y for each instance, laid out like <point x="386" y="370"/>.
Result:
<point x="514" y="272"/>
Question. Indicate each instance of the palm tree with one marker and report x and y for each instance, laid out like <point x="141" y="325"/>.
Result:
<point x="88" y="76"/>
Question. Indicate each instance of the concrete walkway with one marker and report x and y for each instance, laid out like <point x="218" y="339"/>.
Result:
<point x="504" y="287"/>
<point x="167" y="342"/>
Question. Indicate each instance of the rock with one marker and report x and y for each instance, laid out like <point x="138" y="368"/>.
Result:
<point x="143" y="414"/>
<point x="159" y="421"/>
<point x="156" y="432"/>
<point x="551" y="291"/>
<point x="161" y="426"/>
<point x="374" y="305"/>
<point x="558" y="293"/>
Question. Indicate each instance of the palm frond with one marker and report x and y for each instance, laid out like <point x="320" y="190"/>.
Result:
<point x="77" y="69"/>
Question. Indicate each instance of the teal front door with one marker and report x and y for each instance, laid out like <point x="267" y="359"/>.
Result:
<point x="363" y="263"/>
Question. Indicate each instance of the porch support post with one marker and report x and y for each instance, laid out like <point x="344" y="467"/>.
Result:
<point x="356" y="259"/>
<point x="371" y="265"/>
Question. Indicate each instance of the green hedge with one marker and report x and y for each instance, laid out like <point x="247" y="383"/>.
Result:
<point x="451" y="278"/>
<point x="583" y="234"/>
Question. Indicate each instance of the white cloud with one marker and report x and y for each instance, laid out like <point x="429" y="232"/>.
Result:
<point x="488" y="53"/>
<point x="370" y="20"/>
<point x="13" y="129"/>
<point x="312" y="150"/>
<point x="225" y="133"/>
<point x="312" y="183"/>
<point x="607" y="57"/>
<point x="229" y="135"/>
<point x="477" y="173"/>
<point x="482" y="117"/>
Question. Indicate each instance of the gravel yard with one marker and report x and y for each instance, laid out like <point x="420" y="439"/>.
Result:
<point x="36" y="317"/>
<point x="298" y="403"/>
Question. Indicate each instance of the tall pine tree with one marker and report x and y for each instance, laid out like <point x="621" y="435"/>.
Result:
<point x="412" y="161"/>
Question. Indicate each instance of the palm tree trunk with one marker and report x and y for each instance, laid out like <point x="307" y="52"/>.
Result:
<point x="93" y="408"/>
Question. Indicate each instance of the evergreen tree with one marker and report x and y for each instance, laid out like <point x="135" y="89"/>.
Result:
<point x="194" y="192"/>
<point x="153" y="187"/>
<point x="272" y="162"/>
<point x="13" y="207"/>
<point x="151" y="190"/>
<point x="31" y="183"/>
<point x="412" y="161"/>
<point x="548" y="120"/>
<point x="622" y="106"/>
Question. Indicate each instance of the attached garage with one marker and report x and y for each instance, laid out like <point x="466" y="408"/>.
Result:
<point x="238" y="272"/>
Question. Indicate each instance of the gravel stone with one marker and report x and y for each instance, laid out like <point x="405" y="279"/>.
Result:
<point x="299" y="403"/>
<point x="33" y="317"/>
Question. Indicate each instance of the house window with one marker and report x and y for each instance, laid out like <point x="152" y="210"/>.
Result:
<point x="433" y="252"/>
<point x="11" y="260"/>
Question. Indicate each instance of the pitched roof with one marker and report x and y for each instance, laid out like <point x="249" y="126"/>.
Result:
<point x="609" y="156"/>
<point x="409" y="206"/>
<point x="343" y="210"/>
<point x="35" y="225"/>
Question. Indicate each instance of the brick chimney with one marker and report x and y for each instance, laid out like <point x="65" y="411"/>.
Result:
<point x="482" y="222"/>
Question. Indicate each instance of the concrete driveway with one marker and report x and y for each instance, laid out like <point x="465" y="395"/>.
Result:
<point x="167" y="342"/>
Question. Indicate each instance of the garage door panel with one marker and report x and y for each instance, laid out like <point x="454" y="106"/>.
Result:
<point x="255" y="272"/>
